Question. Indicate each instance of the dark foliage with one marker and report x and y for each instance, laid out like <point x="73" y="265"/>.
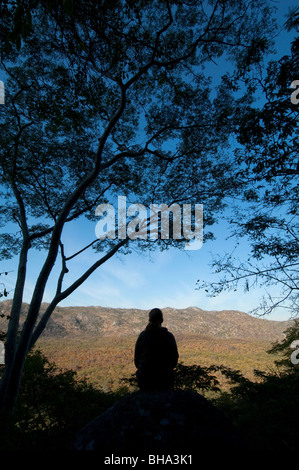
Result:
<point x="267" y="410"/>
<point x="52" y="407"/>
<point x="54" y="404"/>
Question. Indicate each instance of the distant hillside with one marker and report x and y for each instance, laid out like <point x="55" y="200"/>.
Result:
<point x="104" y="322"/>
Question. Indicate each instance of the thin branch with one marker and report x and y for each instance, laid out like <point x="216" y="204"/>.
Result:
<point x="62" y="295"/>
<point x="63" y="270"/>
<point x="73" y="216"/>
<point x="264" y="272"/>
<point x="81" y="251"/>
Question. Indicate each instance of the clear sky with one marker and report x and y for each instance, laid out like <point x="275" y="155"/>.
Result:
<point x="146" y="280"/>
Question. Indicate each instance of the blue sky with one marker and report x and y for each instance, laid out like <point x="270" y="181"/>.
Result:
<point x="148" y="279"/>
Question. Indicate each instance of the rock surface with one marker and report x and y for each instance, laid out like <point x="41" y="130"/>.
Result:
<point x="171" y="422"/>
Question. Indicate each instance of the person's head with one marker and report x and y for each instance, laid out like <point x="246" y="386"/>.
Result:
<point x="155" y="317"/>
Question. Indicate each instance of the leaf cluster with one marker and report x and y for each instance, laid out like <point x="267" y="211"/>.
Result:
<point x="264" y="216"/>
<point x="53" y="405"/>
<point x="166" y="139"/>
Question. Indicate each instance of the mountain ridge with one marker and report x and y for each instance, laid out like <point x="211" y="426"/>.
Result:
<point x="107" y="321"/>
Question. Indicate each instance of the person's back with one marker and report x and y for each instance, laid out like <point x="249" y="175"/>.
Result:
<point x="156" y="355"/>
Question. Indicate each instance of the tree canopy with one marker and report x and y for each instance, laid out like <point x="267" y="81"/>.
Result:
<point x="112" y="98"/>
<point x="268" y="172"/>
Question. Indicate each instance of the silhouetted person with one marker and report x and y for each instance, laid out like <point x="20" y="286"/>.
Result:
<point x="156" y="355"/>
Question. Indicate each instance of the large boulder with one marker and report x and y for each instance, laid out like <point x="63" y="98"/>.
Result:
<point x="170" y="422"/>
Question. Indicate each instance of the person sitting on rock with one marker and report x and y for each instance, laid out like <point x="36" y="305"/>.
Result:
<point x="156" y="355"/>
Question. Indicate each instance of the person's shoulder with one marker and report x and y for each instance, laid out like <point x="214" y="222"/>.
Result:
<point x="166" y="331"/>
<point x="142" y="334"/>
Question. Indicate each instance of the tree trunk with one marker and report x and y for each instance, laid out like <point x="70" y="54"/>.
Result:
<point x="13" y="325"/>
<point x="10" y="382"/>
<point x="12" y="385"/>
